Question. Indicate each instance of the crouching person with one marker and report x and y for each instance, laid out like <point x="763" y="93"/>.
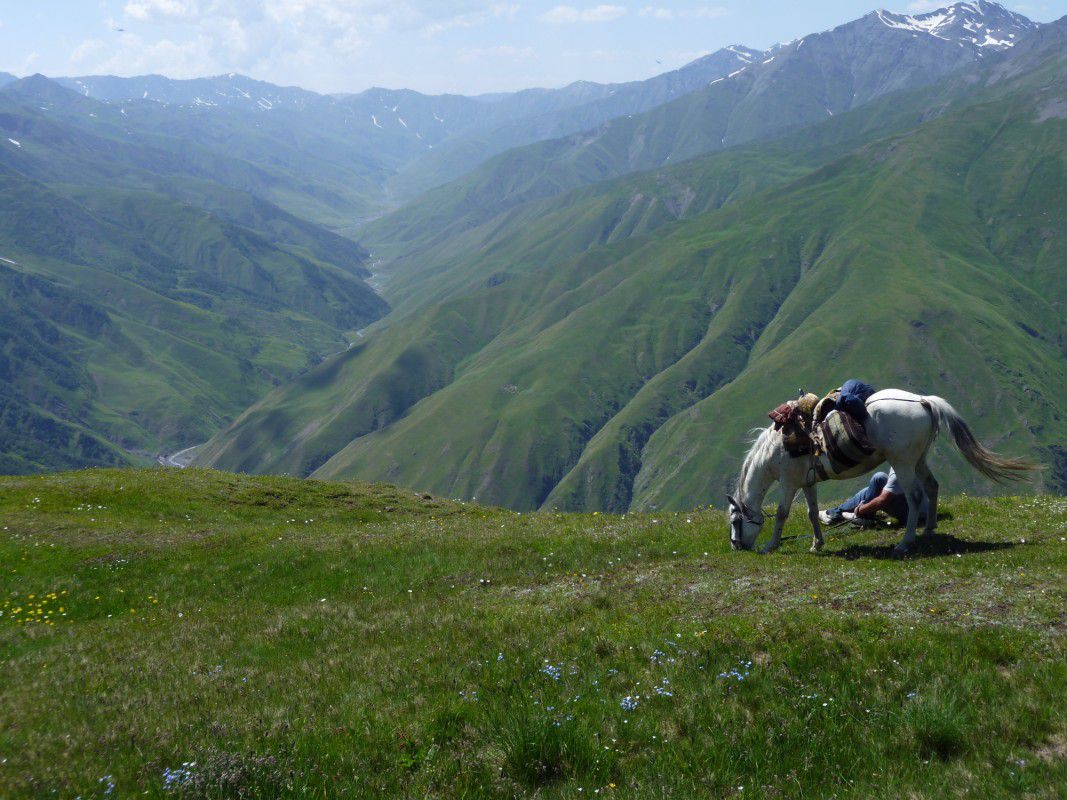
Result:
<point x="883" y="493"/>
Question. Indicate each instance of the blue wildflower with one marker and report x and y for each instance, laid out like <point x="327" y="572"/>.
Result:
<point x="552" y="671"/>
<point x="178" y="778"/>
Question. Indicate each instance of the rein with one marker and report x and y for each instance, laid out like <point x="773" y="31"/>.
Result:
<point x="748" y="516"/>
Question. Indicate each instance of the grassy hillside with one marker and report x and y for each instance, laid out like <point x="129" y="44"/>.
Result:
<point x="607" y="355"/>
<point x="136" y="323"/>
<point x="148" y="296"/>
<point x="197" y="634"/>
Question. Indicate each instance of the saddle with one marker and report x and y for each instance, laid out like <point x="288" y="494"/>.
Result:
<point x="795" y="419"/>
<point x="836" y="441"/>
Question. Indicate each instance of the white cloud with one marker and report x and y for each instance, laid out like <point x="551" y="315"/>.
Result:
<point x="87" y="51"/>
<point x="144" y="10"/>
<point x="657" y="13"/>
<point x="506" y="11"/>
<point x="566" y="15"/>
<point x="706" y="12"/>
<point x="280" y="39"/>
<point x="702" y="12"/>
<point x="336" y="45"/>
<point x="504" y="51"/>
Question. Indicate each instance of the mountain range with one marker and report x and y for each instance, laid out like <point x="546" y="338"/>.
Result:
<point x="601" y="347"/>
<point x="586" y="295"/>
<point x="373" y="148"/>
<point x="797" y="85"/>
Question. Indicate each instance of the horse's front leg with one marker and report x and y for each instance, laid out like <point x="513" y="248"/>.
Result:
<point x="817" y="540"/>
<point x="780" y="516"/>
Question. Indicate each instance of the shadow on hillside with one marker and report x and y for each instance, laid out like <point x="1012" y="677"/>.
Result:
<point x="929" y="546"/>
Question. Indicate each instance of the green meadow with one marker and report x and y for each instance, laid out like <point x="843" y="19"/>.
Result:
<point x="200" y="634"/>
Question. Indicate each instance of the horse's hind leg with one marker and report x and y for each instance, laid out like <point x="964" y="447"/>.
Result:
<point x="922" y="472"/>
<point x="812" y="497"/>
<point x="913" y="491"/>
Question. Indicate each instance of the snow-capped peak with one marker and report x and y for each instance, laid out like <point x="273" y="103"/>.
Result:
<point x="979" y="23"/>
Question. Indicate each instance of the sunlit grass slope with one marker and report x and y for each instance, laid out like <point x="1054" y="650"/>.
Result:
<point x="197" y="634"/>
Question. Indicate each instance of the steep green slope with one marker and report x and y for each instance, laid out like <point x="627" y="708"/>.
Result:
<point x="495" y="277"/>
<point x="203" y="295"/>
<point x="190" y="319"/>
<point x="42" y="382"/>
<point x="547" y="383"/>
<point x="904" y="264"/>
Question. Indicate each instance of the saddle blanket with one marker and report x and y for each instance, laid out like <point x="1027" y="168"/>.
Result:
<point x="841" y="443"/>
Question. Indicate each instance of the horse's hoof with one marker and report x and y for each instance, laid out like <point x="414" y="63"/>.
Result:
<point x="816" y="547"/>
<point x="767" y="549"/>
<point x="900" y="551"/>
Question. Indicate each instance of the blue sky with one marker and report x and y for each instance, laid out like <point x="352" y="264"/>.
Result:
<point x="429" y="45"/>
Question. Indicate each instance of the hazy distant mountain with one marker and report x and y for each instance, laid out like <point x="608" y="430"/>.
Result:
<point x="528" y="119"/>
<point x="381" y="144"/>
<point x="224" y="91"/>
<point x="802" y="83"/>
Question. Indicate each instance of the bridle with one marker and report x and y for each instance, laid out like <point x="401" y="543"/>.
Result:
<point x="745" y="514"/>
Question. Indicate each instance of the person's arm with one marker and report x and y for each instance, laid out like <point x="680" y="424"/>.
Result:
<point x="880" y="503"/>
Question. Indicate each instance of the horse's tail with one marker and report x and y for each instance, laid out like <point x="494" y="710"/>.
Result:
<point x="993" y="465"/>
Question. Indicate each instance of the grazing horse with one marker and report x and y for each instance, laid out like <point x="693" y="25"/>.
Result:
<point x="902" y="427"/>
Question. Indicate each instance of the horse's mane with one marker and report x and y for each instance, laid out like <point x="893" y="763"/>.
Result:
<point x="762" y="448"/>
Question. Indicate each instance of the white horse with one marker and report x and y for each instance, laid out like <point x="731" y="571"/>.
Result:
<point x="902" y="427"/>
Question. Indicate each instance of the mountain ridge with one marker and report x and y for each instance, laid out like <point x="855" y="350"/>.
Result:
<point x="802" y="82"/>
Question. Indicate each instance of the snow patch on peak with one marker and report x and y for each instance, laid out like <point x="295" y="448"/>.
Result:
<point x="980" y="23"/>
<point x="925" y="23"/>
<point x="743" y="53"/>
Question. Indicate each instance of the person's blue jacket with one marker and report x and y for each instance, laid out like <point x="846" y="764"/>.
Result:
<point x="853" y="398"/>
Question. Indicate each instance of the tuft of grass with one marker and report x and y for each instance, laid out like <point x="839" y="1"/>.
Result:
<point x="937" y="727"/>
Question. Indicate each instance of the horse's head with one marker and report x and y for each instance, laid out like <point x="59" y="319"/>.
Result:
<point x="745" y="524"/>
